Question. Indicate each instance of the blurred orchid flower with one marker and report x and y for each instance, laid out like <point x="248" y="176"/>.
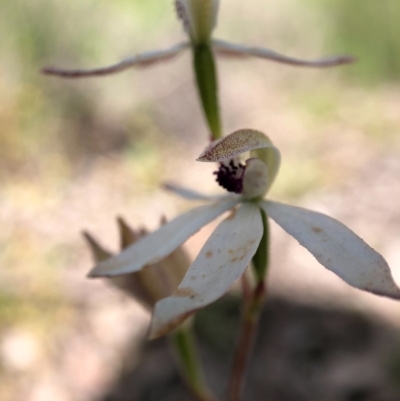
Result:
<point x="156" y="281"/>
<point x="199" y="18"/>
<point x="234" y="243"/>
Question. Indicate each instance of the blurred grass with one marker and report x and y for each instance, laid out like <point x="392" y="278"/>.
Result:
<point x="368" y="29"/>
<point x="40" y="117"/>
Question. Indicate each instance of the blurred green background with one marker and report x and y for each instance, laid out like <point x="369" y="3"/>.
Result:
<point x="73" y="154"/>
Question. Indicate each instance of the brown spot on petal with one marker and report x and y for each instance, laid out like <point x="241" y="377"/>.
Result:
<point x="316" y="229"/>
<point x="184" y="292"/>
<point x="240" y="253"/>
<point x="232" y="215"/>
<point x="209" y="254"/>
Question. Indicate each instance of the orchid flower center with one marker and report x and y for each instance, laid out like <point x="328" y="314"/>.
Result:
<point x="253" y="178"/>
<point x="250" y="179"/>
<point x="230" y="176"/>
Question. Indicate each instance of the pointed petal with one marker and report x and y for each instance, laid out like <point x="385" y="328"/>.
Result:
<point x="162" y="242"/>
<point x="139" y="60"/>
<point x="222" y="260"/>
<point x="190" y="194"/>
<point x="336" y="247"/>
<point x="99" y="253"/>
<point x="236" y="50"/>
<point x="127" y="235"/>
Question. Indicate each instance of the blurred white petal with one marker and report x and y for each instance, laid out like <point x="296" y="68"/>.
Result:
<point x="336" y="247"/>
<point x="190" y="194"/>
<point x="139" y="60"/>
<point x="222" y="260"/>
<point x="235" y="50"/>
<point x="162" y="242"/>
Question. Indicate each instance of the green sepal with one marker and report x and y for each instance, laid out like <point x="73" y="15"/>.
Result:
<point x="207" y="85"/>
<point x="261" y="257"/>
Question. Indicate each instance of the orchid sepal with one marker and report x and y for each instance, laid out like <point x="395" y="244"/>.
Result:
<point x="336" y="247"/>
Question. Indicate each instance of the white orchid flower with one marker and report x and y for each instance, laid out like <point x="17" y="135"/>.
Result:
<point x="230" y="249"/>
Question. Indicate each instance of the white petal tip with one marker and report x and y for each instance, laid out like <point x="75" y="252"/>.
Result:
<point x="95" y="273"/>
<point x="158" y="329"/>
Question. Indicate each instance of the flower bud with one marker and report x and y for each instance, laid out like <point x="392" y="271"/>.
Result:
<point x="199" y="18"/>
<point x="154" y="282"/>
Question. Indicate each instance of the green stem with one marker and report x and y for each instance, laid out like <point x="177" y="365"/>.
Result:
<point x="247" y="335"/>
<point x="207" y="85"/>
<point x="189" y="364"/>
<point x="261" y="257"/>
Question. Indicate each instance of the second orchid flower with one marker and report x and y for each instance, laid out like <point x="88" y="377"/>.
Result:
<point x="199" y="18"/>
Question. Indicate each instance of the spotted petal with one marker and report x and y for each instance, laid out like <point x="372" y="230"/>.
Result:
<point x="219" y="264"/>
<point x="336" y="247"/>
<point x="162" y="242"/>
<point x="232" y="49"/>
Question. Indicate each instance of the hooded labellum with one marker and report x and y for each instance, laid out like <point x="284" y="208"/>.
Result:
<point x="252" y="179"/>
<point x="231" y="247"/>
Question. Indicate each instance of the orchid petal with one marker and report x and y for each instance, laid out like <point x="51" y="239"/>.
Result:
<point x="162" y="242"/>
<point x="222" y="260"/>
<point x="233" y="145"/>
<point x="199" y="17"/>
<point x="236" y="50"/>
<point x="190" y="194"/>
<point x="336" y="247"/>
<point x="139" y="60"/>
<point x="255" y="179"/>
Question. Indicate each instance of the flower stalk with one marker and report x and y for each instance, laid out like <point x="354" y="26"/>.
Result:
<point x="252" y="306"/>
<point x="207" y="86"/>
<point x="184" y="346"/>
<point x="250" y="319"/>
